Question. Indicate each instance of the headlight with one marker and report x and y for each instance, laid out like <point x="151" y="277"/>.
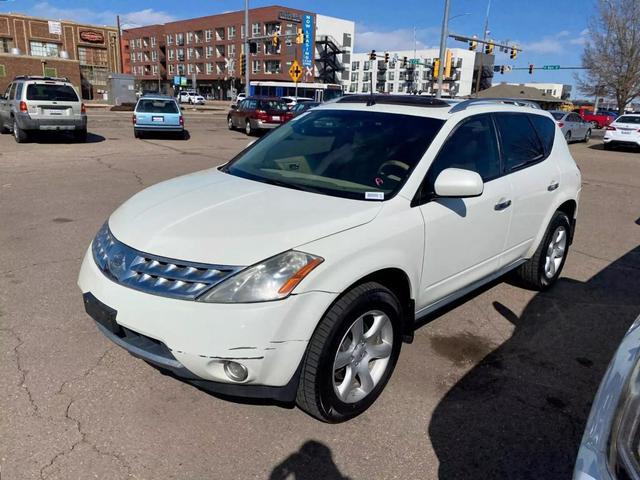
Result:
<point x="273" y="279"/>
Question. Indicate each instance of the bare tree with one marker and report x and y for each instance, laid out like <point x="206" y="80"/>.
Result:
<point x="612" y="51"/>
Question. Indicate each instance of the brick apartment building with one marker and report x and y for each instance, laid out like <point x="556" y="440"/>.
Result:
<point x="210" y="49"/>
<point x="85" y="54"/>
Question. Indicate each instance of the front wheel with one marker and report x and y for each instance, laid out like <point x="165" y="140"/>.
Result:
<point x="351" y="355"/>
<point x="543" y="269"/>
<point x="230" y="123"/>
<point x="248" y="129"/>
<point x="587" y="136"/>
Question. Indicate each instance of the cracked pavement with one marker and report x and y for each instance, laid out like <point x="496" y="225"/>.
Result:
<point x="74" y="406"/>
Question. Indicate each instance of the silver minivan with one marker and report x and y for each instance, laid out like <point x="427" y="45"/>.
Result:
<point x="42" y="103"/>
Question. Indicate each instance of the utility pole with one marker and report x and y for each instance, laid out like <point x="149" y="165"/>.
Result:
<point x="443" y="45"/>
<point x="120" y="44"/>
<point x="484" y="39"/>
<point x="246" y="49"/>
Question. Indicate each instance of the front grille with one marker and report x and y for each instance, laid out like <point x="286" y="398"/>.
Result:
<point x="153" y="274"/>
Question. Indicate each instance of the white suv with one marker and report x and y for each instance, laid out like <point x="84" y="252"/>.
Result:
<point x="296" y="270"/>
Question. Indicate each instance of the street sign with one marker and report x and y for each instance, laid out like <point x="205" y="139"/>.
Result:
<point x="295" y="72"/>
<point x="551" y="67"/>
<point x="414" y="61"/>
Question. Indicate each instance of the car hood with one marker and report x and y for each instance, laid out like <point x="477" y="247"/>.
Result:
<point x="214" y="217"/>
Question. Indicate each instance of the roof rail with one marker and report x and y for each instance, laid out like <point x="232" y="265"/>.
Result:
<point x="487" y="101"/>
<point x="40" y="77"/>
<point x="406" y="100"/>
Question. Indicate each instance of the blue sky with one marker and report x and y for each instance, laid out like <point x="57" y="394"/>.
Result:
<point x="549" y="31"/>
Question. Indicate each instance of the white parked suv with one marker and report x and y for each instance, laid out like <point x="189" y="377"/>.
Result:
<point x="296" y="270"/>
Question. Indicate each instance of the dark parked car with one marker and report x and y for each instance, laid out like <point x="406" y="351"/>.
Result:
<point x="258" y="113"/>
<point x="302" y="107"/>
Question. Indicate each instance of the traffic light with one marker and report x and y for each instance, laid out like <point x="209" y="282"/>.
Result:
<point x="514" y="53"/>
<point x="404" y="61"/>
<point x="436" y="68"/>
<point x="243" y="65"/>
<point x="386" y="57"/>
<point x="488" y="48"/>
<point x="372" y="55"/>
<point x="299" y="37"/>
<point x="530" y="69"/>
<point x="275" y="40"/>
<point x="473" y="44"/>
<point x="448" y="64"/>
<point x="502" y="69"/>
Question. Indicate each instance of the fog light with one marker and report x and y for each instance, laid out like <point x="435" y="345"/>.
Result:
<point x="235" y="371"/>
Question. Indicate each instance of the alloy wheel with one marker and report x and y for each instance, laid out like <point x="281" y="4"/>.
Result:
<point x="555" y="251"/>
<point x="363" y="356"/>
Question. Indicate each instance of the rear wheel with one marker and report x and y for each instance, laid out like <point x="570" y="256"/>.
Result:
<point x="587" y="136"/>
<point x="247" y="128"/>
<point x="230" y="123"/>
<point x="567" y="136"/>
<point x="4" y="129"/>
<point x="351" y="355"/>
<point x="19" y="134"/>
<point x="543" y="269"/>
<point x="136" y="133"/>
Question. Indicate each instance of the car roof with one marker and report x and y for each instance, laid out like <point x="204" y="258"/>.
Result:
<point x="157" y="96"/>
<point x="260" y="97"/>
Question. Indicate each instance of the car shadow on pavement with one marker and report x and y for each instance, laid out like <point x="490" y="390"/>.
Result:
<point x="185" y="135"/>
<point x="520" y="413"/>
<point x="57" y="138"/>
<point x="313" y="461"/>
<point x="621" y="148"/>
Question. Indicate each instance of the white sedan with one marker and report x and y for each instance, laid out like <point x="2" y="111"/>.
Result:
<point x="623" y="131"/>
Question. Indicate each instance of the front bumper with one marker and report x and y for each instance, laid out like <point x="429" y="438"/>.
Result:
<point x="28" y="122"/>
<point x="268" y="338"/>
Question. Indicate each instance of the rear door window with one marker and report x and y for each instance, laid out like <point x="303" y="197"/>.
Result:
<point x="51" y="93"/>
<point x="520" y="143"/>
<point x="12" y="92"/>
<point x="19" y="91"/>
<point x="546" y="129"/>
<point x="157" y="106"/>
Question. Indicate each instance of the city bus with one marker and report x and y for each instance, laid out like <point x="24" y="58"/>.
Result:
<point x="320" y="92"/>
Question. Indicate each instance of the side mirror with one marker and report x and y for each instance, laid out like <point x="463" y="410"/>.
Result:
<point x="234" y="107"/>
<point x="458" y="183"/>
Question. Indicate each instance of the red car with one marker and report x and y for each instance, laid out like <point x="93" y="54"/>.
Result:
<point x="599" y="120"/>
<point x="258" y="113"/>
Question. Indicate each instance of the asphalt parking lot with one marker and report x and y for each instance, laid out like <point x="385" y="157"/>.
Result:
<point x="499" y="386"/>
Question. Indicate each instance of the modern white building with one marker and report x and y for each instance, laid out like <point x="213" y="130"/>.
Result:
<point x="556" y="90"/>
<point x="333" y="35"/>
<point x="414" y="78"/>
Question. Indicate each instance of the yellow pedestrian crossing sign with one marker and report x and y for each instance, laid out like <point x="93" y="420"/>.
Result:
<point x="295" y="72"/>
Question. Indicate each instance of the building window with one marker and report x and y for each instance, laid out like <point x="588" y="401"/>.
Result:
<point x="220" y="68"/>
<point x="232" y="50"/>
<point x="180" y="54"/>
<point x="354" y="76"/>
<point x="255" y="29"/>
<point x="209" y="51"/>
<point x="154" y="42"/>
<point x="180" y="39"/>
<point x="207" y="35"/>
<point x="270" y="49"/>
<point x="220" y="33"/>
<point x="189" y="53"/>
<point x="367" y="65"/>
<point x="220" y="51"/>
<point x="355" y="65"/>
<point x="170" y="39"/>
<point x="189" y="69"/>
<point x="255" y="66"/>
<point x="271" y="28"/>
<point x="365" y="87"/>
<point x="209" y="68"/>
<point x="353" y="88"/>
<point x="154" y="56"/>
<point x="171" y="69"/>
<point x="366" y="77"/>
<point x="231" y="32"/>
<point x="181" y="69"/>
<point x="43" y="49"/>
<point x="272" y="66"/>
<point x="241" y="31"/>
<point x="139" y="56"/>
<point x="392" y="76"/>
<point x="171" y="54"/>
<point x="154" y="69"/>
<point x="93" y="56"/>
<point x="189" y="37"/>
<point x="390" y="87"/>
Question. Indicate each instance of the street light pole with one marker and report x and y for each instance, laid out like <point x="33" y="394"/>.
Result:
<point x="485" y="33"/>
<point x="443" y="45"/>
<point x="246" y="48"/>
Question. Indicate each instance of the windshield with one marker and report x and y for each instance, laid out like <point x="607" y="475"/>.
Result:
<point x="558" y="115"/>
<point x="157" y="106"/>
<point x="352" y="154"/>
<point x="629" y="119"/>
<point x="51" y="93"/>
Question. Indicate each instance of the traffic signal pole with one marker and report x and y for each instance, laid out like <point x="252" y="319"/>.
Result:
<point x="443" y="45"/>
<point x="246" y="48"/>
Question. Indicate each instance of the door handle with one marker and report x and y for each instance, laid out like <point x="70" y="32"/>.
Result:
<point x="502" y="204"/>
<point x="553" y="185"/>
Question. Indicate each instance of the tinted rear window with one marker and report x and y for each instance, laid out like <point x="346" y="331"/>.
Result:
<point x="157" y="106"/>
<point x="273" y="105"/>
<point x="51" y="93"/>
<point x="520" y="143"/>
<point x="628" y="119"/>
<point x="546" y="131"/>
<point x="558" y="115"/>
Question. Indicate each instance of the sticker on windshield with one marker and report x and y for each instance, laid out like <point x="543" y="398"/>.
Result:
<point x="374" y="195"/>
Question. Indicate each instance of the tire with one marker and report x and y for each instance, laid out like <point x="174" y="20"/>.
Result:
<point x="587" y="136"/>
<point x="375" y="308"/>
<point x="81" y="135"/>
<point x="594" y="124"/>
<point x="543" y="269"/>
<point x="567" y="136"/>
<point x="136" y="133"/>
<point x="4" y="129"/>
<point x="247" y="128"/>
<point x="19" y="134"/>
<point x="230" y="123"/>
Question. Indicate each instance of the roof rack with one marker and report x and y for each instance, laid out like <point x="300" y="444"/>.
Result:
<point x="488" y="101"/>
<point x="409" y="100"/>
<point x="40" y="77"/>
